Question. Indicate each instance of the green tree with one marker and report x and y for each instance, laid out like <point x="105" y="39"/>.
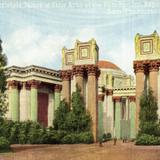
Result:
<point x="60" y="116"/>
<point x="148" y="114"/>
<point x="75" y="120"/>
<point x="3" y="63"/>
<point x="78" y="120"/>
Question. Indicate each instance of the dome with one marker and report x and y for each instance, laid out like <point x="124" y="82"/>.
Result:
<point x="107" y="65"/>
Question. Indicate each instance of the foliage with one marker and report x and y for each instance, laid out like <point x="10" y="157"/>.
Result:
<point x="74" y="121"/>
<point x="148" y="103"/>
<point x="4" y="144"/>
<point x="60" y="116"/>
<point x="3" y="63"/>
<point x="146" y="139"/>
<point x="149" y="126"/>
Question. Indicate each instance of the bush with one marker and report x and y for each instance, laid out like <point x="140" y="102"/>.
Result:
<point x="4" y="144"/>
<point x="150" y="128"/>
<point x="86" y="137"/>
<point x="146" y="139"/>
<point x="70" y="139"/>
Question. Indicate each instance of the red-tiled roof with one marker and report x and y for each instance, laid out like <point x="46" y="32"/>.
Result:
<point x="107" y="64"/>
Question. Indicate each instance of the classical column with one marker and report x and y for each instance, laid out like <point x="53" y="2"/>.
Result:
<point x="132" y="116"/>
<point x="24" y="102"/>
<point x="66" y="75"/>
<point x="57" y="95"/>
<point x="50" y="109"/>
<point x="78" y="72"/>
<point x="34" y="101"/>
<point x="14" y="100"/>
<point x="92" y="97"/>
<point x="117" y="117"/>
<point x="100" y="115"/>
<point x="109" y="111"/>
<point x="153" y="77"/>
<point x="139" y="71"/>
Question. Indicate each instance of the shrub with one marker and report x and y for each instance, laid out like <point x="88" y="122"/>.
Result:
<point x="70" y="139"/>
<point x="4" y="144"/>
<point x="86" y="137"/>
<point x="35" y="134"/>
<point x="146" y="139"/>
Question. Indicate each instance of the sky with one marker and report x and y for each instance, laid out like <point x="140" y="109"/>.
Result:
<point x="35" y="31"/>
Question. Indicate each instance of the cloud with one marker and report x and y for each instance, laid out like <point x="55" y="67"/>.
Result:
<point x="30" y="46"/>
<point x="123" y="55"/>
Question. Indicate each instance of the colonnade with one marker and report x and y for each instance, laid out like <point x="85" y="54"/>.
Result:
<point x="23" y="100"/>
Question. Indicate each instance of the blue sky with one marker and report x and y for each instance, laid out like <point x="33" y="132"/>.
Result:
<point x="34" y="31"/>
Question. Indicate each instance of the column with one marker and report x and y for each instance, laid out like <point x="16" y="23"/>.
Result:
<point x="153" y="77"/>
<point x="50" y="109"/>
<point x="117" y="117"/>
<point x="139" y="71"/>
<point x="34" y="101"/>
<point x="132" y="116"/>
<point x="65" y="75"/>
<point x="78" y="71"/>
<point x="14" y="100"/>
<point x="23" y="102"/>
<point x="109" y="112"/>
<point x="92" y="97"/>
<point x="100" y="115"/>
<point x="57" y="95"/>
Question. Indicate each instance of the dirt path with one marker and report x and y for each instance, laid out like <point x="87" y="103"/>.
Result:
<point x="122" y="151"/>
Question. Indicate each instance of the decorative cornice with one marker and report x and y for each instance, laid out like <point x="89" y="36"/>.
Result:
<point x="109" y="92"/>
<point x="65" y="75"/>
<point x="57" y="88"/>
<point x="117" y="98"/>
<point x="132" y="98"/>
<point x="101" y="97"/>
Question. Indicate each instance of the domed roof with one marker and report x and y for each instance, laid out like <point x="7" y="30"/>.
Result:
<point x="107" y="65"/>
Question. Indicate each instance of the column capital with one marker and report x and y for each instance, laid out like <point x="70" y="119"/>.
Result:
<point x="117" y="98"/>
<point x="57" y="88"/>
<point x="93" y="70"/>
<point x="78" y="70"/>
<point x="138" y="66"/>
<point x="65" y="75"/>
<point x="153" y="66"/>
<point x="34" y="84"/>
<point x="101" y="97"/>
<point x="132" y="98"/>
<point x="109" y="92"/>
<point x="13" y="84"/>
<point x="24" y="85"/>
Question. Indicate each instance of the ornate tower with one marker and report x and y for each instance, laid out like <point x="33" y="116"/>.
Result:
<point x="79" y="66"/>
<point x="146" y="66"/>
